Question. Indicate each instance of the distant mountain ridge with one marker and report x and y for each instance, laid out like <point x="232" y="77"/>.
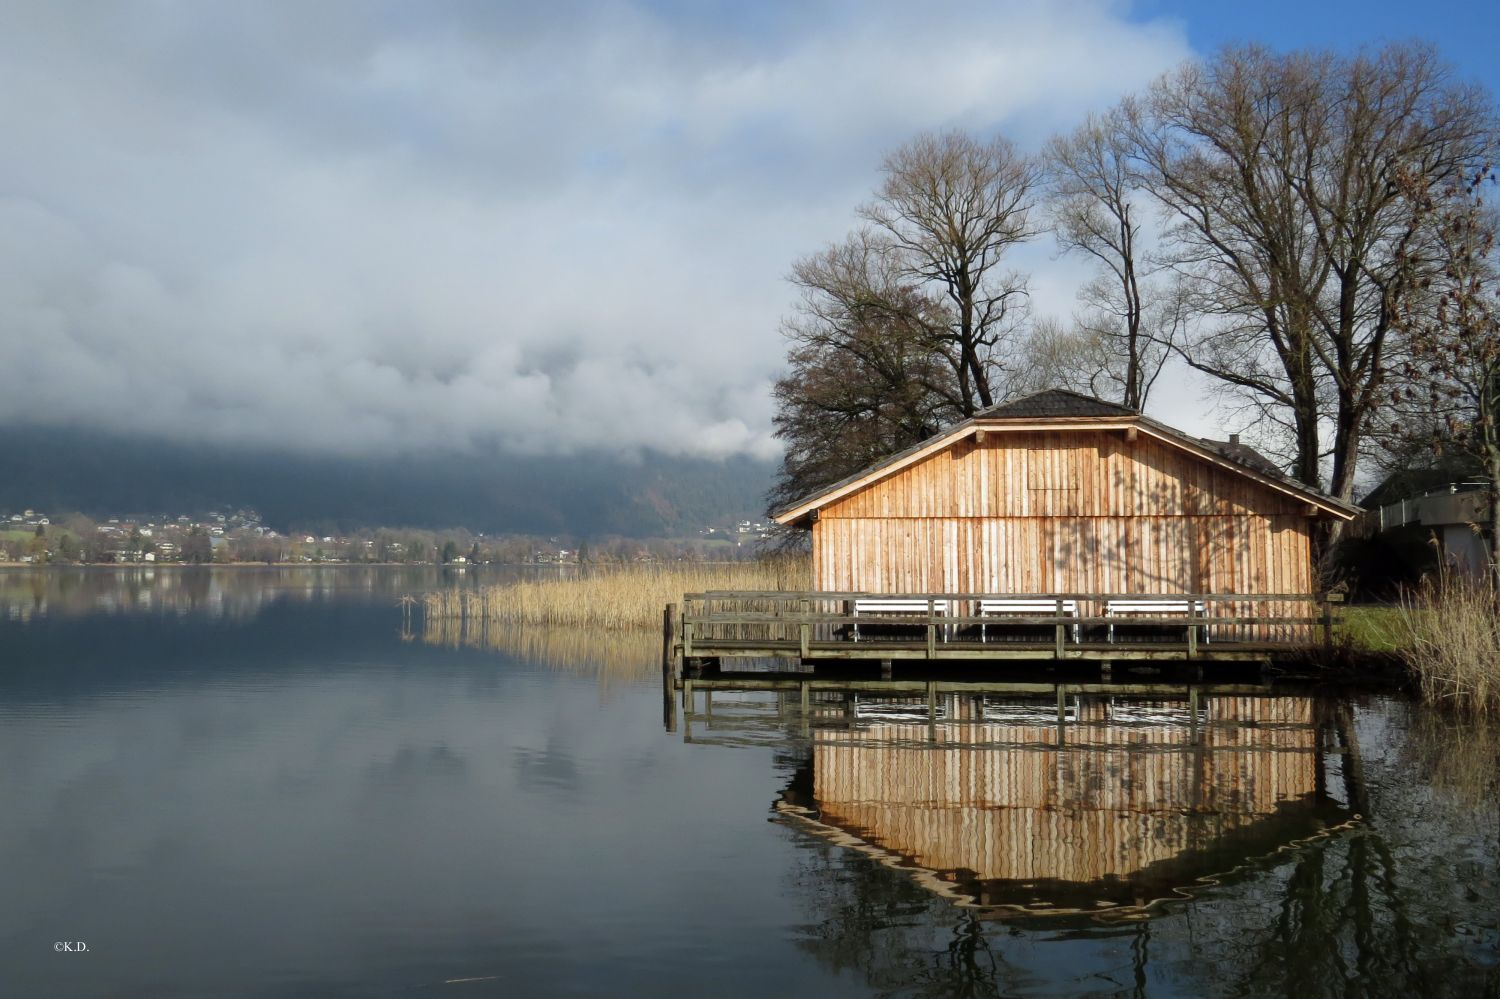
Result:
<point x="593" y="494"/>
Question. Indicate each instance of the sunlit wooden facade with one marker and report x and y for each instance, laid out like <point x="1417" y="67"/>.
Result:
<point x="1064" y="494"/>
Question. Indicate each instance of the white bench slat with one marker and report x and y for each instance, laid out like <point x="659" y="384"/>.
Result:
<point x="1030" y="607"/>
<point x="1152" y="606"/>
<point x="1014" y="606"/>
<point x="895" y="606"/>
<point x="898" y="606"/>
<point x="1161" y="607"/>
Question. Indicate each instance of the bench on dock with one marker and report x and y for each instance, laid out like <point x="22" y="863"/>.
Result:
<point x="1155" y="607"/>
<point x="888" y="605"/>
<point x="1026" y="607"/>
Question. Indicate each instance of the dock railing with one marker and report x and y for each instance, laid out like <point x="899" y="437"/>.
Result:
<point x="814" y="624"/>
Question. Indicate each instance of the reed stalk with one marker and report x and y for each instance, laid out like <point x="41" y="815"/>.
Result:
<point x="1451" y="643"/>
<point x="610" y="597"/>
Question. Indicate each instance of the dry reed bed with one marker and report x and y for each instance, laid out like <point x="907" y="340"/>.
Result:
<point x="609" y="597"/>
<point x="1451" y="642"/>
<point x="608" y="655"/>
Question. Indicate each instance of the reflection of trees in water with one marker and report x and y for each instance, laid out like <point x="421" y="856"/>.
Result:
<point x="1404" y="906"/>
<point x="898" y="938"/>
<point x="1405" y="903"/>
<point x="609" y="655"/>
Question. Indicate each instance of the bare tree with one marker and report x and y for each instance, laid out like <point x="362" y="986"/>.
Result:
<point x="899" y="327"/>
<point x="1092" y="197"/>
<point x="869" y="371"/>
<point x="1279" y="176"/>
<point x="951" y="206"/>
<point x="1089" y="359"/>
<point x="1448" y="389"/>
<point x="1055" y="355"/>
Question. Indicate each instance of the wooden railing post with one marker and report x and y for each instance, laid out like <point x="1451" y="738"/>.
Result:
<point x="1058" y="653"/>
<point x="687" y="630"/>
<point x="931" y="628"/>
<point x="805" y="631"/>
<point x="1192" y="631"/>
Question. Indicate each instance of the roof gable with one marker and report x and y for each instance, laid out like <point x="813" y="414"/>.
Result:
<point x="1058" y="409"/>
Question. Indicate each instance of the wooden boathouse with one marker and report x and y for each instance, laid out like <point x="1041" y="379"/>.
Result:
<point x="1058" y="526"/>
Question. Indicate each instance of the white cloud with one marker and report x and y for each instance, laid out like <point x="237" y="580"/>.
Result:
<point x="352" y="228"/>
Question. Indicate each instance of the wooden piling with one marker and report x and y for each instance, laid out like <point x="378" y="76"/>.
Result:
<point x="669" y="667"/>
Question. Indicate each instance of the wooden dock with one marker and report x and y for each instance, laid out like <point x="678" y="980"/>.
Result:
<point x="821" y="627"/>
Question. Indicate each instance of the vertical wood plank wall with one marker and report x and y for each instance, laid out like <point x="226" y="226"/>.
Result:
<point x="1067" y="511"/>
<point x="1119" y="797"/>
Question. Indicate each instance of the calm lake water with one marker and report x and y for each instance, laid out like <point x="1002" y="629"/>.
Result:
<point x="251" y="782"/>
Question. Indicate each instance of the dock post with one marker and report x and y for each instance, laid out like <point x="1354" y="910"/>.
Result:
<point x="668" y="703"/>
<point x="668" y="667"/>
<point x="668" y="632"/>
<point x="687" y="696"/>
<point x="932" y="711"/>
<point x="885" y="669"/>
<point x="1106" y="669"/>
<point x="1193" y="715"/>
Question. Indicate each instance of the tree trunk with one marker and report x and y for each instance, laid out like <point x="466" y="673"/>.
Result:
<point x="1492" y="549"/>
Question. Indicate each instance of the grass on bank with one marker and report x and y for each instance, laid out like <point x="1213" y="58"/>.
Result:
<point x="610" y="597"/>
<point x="1370" y="627"/>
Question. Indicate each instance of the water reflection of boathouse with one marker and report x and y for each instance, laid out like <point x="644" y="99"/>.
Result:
<point x="1141" y="800"/>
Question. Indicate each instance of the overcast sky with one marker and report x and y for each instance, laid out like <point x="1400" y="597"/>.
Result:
<point x="356" y="227"/>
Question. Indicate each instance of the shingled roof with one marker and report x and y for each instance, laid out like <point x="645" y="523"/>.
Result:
<point x="1246" y="455"/>
<point x="1053" y="403"/>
